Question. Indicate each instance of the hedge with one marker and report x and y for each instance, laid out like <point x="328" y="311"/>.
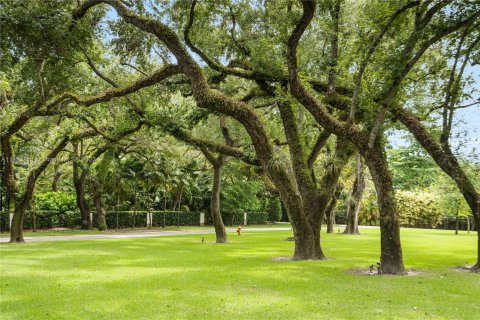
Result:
<point x="44" y="220"/>
<point x="274" y="209"/>
<point x="128" y="219"/>
<point x="236" y="218"/>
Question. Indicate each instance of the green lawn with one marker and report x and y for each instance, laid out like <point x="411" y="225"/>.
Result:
<point x="180" y="277"/>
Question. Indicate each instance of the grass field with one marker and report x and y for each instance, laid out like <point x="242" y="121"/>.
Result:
<point x="181" y="277"/>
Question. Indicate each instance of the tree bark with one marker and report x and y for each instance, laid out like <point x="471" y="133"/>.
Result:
<point x="97" y="199"/>
<point x="79" y="178"/>
<point x="16" y="230"/>
<point x="178" y="198"/>
<point x="330" y="212"/>
<point x="355" y="199"/>
<point x="220" y="233"/>
<point x="391" y="256"/>
<point x="56" y="178"/>
<point x="477" y="265"/>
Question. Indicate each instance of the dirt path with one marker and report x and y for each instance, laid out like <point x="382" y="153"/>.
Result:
<point x="139" y="234"/>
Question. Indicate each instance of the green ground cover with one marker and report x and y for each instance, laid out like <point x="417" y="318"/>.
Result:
<point x="181" y="277"/>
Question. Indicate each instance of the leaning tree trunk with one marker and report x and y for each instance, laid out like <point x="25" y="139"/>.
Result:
<point x="447" y="161"/>
<point x="220" y="233"/>
<point x="355" y="199"/>
<point x="391" y="256"/>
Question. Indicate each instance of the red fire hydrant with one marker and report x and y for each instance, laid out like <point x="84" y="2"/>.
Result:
<point x="239" y="230"/>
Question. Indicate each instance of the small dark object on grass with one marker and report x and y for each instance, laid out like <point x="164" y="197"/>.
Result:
<point x="203" y="239"/>
<point x="290" y="239"/>
<point x="378" y="266"/>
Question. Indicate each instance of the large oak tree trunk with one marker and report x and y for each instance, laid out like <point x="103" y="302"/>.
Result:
<point x="220" y="233"/>
<point x="355" y="199"/>
<point x="315" y="206"/>
<point x="307" y="244"/>
<point x="16" y="230"/>
<point x="391" y="256"/>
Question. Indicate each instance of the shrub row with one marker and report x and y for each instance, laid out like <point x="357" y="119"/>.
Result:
<point x="128" y="219"/>
<point x="236" y="218"/>
<point x="44" y="220"/>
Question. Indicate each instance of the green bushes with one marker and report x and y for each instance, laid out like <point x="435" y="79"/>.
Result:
<point x="274" y="209"/>
<point x="241" y="196"/>
<point x="56" y="201"/>
<point x="418" y="209"/>
<point x="369" y="213"/>
<point x="53" y="210"/>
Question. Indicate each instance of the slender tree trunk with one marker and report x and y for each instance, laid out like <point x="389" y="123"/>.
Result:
<point x="391" y="256"/>
<point x="330" y="212"/>
<point x="56" y="178"/>
<point x="79" y="184"/>
<point x="456" y="223"/>
<point x="79" y="179"/>
<point x="178" y="198"/>
<point x="102" y="224"/>
<point x="316" y="201"/>
<point x="97" y="200"/>
<point x="220" y="233"/>
<point x="355" y="199"/>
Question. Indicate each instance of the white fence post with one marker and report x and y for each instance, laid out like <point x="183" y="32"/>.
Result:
<point x="149" y="220"/>
<point x="91" y="217"/>
<point x="244" y="218"/>
<point x="11" y="219"/>
<point x="202" y="218"/>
